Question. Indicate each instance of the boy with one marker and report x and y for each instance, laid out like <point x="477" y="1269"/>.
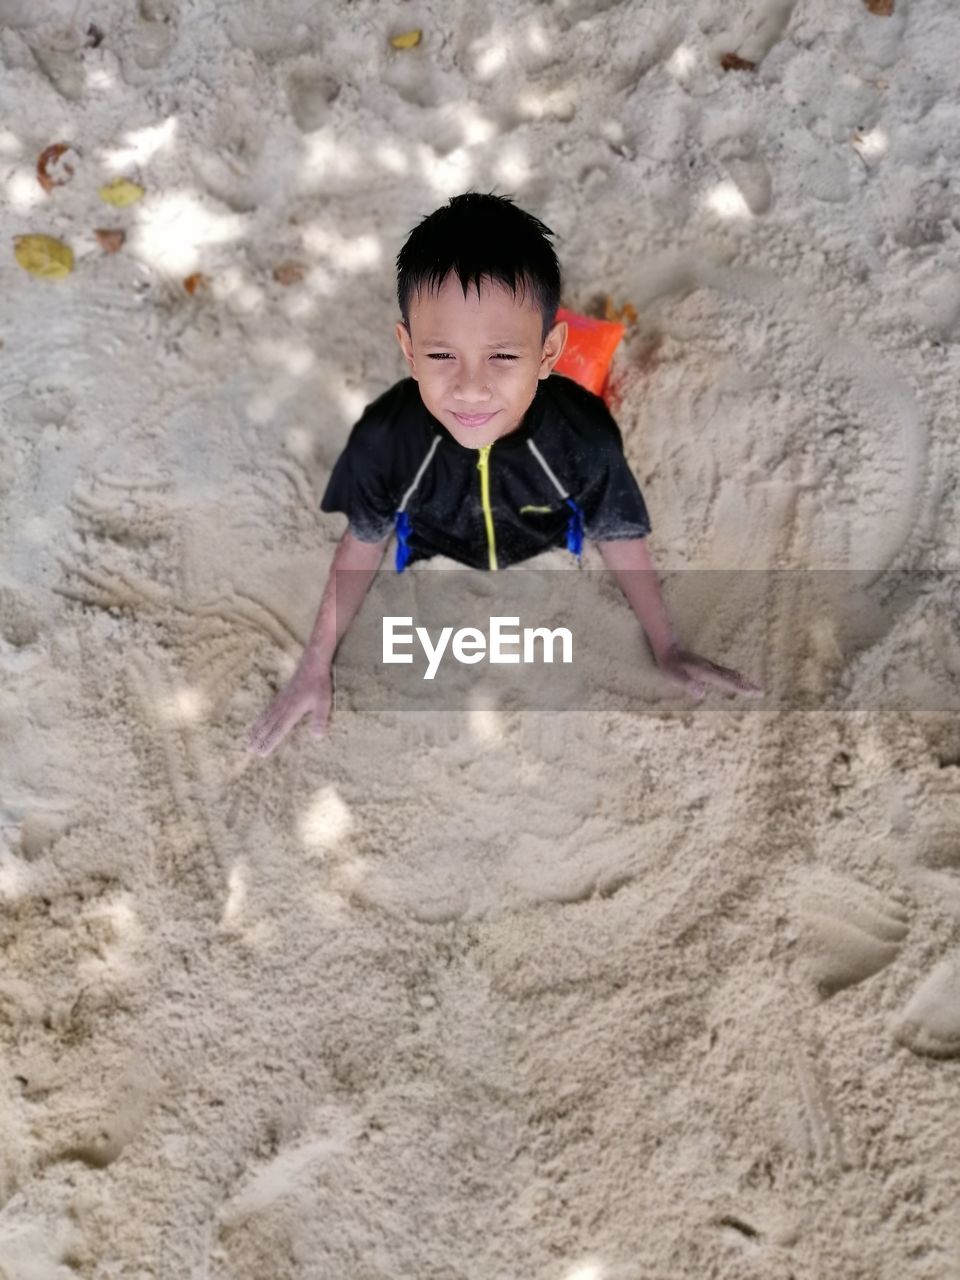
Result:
<point x="479" y="287"/>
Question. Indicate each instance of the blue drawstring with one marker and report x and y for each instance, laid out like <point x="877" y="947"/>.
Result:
<point x="403" y="528"/>
<point x="574" y="529"/>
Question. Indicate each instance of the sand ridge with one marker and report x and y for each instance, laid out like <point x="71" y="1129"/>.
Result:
<point x="597" y="995"/>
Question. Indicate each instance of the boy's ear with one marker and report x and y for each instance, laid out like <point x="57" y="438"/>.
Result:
<point x="406" y="346"/>
<point x="553" y="348"/>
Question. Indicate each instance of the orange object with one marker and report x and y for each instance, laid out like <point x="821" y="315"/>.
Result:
<point x="589" y="350"/>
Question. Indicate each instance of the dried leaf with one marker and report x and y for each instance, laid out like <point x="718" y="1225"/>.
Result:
<point x="63" y="170"/>
<point x="289" y="272"/>
<point x="882" y="8"/>
<point x="121" y="192"/>
<point x="409" y="40"/>
<point x="110" y="239"/>
<point x="733" y="62"/>
<point x="197" y="281"/>
<point x="43" y="256"/>
<point x="627" y="314"/>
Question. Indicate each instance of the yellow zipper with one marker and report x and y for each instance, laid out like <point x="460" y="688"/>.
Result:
<point x="483" y="466"/>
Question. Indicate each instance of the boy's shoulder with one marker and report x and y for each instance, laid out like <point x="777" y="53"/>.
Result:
<point x="398" y="406"/>
<point x="582" y="412"/>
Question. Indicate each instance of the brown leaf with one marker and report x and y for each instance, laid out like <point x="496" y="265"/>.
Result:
<point x="882" y="8"/>
<point x="197" y="281"/>
<point x="627" y="314"/>
<point x="64" y="171"/>
<point x="110" y="239"/>
<point x="733" y="62"/>
<point x="289" y="272"/>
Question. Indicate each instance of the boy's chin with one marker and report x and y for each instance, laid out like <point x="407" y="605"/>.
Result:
<point x="477" y="437"/>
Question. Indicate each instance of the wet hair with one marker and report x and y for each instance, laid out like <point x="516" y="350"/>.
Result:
<point x="481" y="237"/>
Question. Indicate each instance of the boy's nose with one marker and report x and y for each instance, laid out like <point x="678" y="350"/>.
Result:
<point x="471" y="388"/>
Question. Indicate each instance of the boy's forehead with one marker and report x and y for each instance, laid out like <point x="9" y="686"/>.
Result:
<point x="494" y="307"/>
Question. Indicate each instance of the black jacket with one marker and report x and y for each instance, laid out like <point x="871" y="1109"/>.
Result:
<point x="568" y="441"/>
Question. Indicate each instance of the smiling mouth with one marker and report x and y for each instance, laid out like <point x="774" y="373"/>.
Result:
<point x="474" y="419"/>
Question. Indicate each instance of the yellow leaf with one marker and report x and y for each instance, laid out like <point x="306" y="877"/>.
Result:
<point x="121" y="192"/>
<point x="43" y="256"/>
<point x="409" y="40"/>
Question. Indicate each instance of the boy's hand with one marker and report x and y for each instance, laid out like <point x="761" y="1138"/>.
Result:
<point x="694" y="673"/>
<point x="308" y="692"/>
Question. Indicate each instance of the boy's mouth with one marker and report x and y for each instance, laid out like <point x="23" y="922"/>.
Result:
<point x="474" y="419"/>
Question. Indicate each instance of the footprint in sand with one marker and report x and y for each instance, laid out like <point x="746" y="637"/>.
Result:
<point x="243" y="166"/>
<point x="848" y="933"/>
<point x="930" y="1022"/>
<point x="734" y="144"/>
<point x="311" y="89"/>
<point x="106" y="1130"/>
<point x="275" y="30"/>
<point x="751" y="36"/>
<point x="931" y="861"/>
<point x="154" y="34"/>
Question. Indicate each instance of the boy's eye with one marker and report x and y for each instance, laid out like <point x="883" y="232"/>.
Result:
<point x="445" y="355"/>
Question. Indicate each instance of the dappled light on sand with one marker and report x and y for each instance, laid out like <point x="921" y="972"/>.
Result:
<point x="490" y="60"/>
<point x="325" y="822"/>
<point x="681" y="62"/>
<point x="353" y="254"/>
<point x="141" y="145"/>
<point x="484" y="722"/>
<point x="390" y="157"/>
<point x="176" y="227"/>
<point x="655" y="989"/>
<point x="586" y="1271"/>
<point x="236" y="895"/>
<point x="726" y="200"/>
<point x="183" y="705"/>
<point x="513" y="167"/>
<point x="445" y="175"/>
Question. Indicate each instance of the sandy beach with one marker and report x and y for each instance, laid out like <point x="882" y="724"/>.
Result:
<point x="637" y="990"/>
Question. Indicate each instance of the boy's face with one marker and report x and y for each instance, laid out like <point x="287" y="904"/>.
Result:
<point x="478" y="359"/>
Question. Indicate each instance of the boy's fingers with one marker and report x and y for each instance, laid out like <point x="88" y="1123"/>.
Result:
<point x="680" y="675"/>
<point x="727" y="678"/>
<point x="261" y="732"/>
<point x="274" y="730"/>
<point x="740" y="684"/>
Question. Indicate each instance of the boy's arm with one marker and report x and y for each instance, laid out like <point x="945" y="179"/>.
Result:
<point x="630" y="563"/>
<point x="310" y="688"/>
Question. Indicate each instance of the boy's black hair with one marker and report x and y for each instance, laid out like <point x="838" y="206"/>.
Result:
<point x="481" y="237"/>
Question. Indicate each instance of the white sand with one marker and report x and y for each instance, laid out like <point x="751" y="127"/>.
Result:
<point x="490" y="995"/>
